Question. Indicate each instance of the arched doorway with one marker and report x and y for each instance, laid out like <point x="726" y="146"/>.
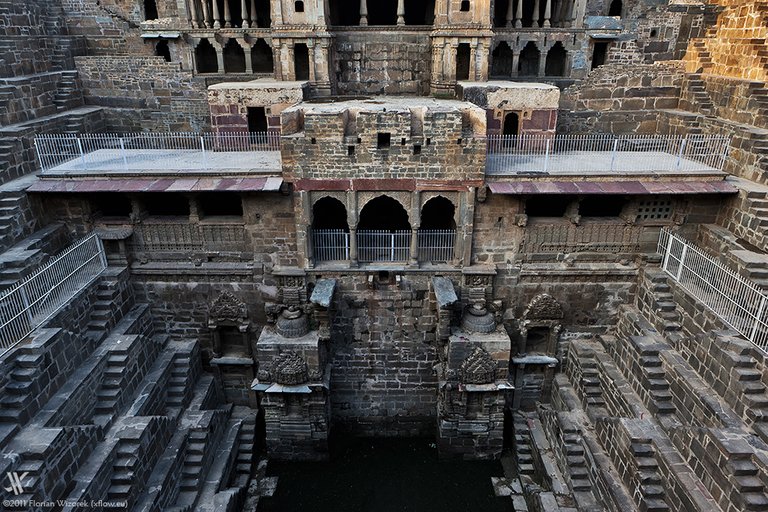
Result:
<point x="555" y="64"/>
<point x="383" y="231"/>
<point x="615" y="8"/>
<point x="206" y="60"/>
<point x="503" y="57"/>
<point x="330" y="230"/>
<point x="261" y="57"/>
<point x="511" y="123"/>
<point x="437" y="233"/>
<point x="529" y="60"/>
<point x="234" y="57"/>
<point x="162" y="50"/>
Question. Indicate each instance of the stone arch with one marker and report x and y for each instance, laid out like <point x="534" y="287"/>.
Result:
<point x="438" y="212"/>
<point x="556" y="60"/>
<point x="262" y="58"/>
<point x="329" y="213"/>
<point x="206" y="59"/>
<point x="528" y="64"/>
<point x="163" y="50"/>
<point x="383" y="212"/>
<point x="234" y="57"/>
<point x="502" y="59"/>
<point x="615" y="8"/>
<point x="543" y="307"/>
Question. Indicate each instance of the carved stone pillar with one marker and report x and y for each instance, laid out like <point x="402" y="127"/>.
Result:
<point x="244" y="14"/>
<point x="472" y="62"/>
<point x="248" y="55"/>
<point x="219" y="55"/>
<point x="519" y="14"/>
<point x="227" y="15"/>
<point x="206" y="14"/>
<point x="193" y="13"/>
<point x="543" y="61"/>
<point x="363" y="13"/>
<point x="515" y="62"/>
<point x="510" y="15"/>
<point x="252" y="17"/>
<point x="401" y="12"/>
<point x="547" y="12"/>
<point x="311" y="51"/>
<point x="536" y="14"/>
<point x="216" y="16"/>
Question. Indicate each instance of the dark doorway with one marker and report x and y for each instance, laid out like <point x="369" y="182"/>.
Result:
<point x="503" y="59"/>
<point x="599" y="53"/>
<point x="556" y="57"/>
<point x="615" y="8"/>
<point x="220" y="204"/>
<point x="257" y="119"/>
<point x="420" y="12"/>
<point x="382" y="12"/>
<point x="511" y="123"/>
<point x="150" y="10"/>
<point x="234" y="57"/>
<point x="301" y="61"/>
<point x="111" y="205"/>
<point x="162" y="50"/>
<point x="329" y="213"/>
<point x="601" y="206"/>
<point x="345" y="12"/>
<point x="262" y="59"/>
<point x="166" y="205"/>
<point x="547" y="205"/>
<point x="462" y="61"/>
<point x="206" y="60"/>
<point x="500" y="13"/>
<point x="384" y="213"/>
<point x="529" y="60"/>
<point x="437" y="213"/>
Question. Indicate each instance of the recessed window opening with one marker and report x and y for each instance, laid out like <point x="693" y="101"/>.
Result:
<point x="205" y="58"/>
<point x="601" y="206"/>
<point x="329" y="213"/>
<point x="220" y="204"/>
<point x="615" y="8"/>
<point x="382" y="12"/>
<point x="350" y="150"/>
<point x="150" y="10"/>
<point x="261" y="57"/>
<point x="301" y="61"/>
<point x="162" y="50"/>
<point x="599" y="53"/>
<point x="384" y="213"/>
<point x="383" y="140"/>
<point x="234" y="57"/>
<point x="111" y="205"/>
<point x="511" y="123"/>
<point x="231" y="341"/>
<point x="298" y="6"/>
<point x="537" y="339"/>
<point x="438" y="213"/>
<point x="383" y="275"/>
<point x="416" y="149"/>
<point x="292" y="405"/>
<point x="462" y="61"/>
<point x="547" y="205"/>
<point x="166" y="205"/>
<point x="654" y="32"/>
<point x="257" y="119"/>
<point x="464" y="6"/>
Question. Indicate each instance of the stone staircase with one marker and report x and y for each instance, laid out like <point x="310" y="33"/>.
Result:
<point x="123" y="470"/>
<point x="522" y="446"/>
<point x="68" y="93"/>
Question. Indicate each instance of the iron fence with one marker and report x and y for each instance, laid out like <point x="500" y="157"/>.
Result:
<point x="330" y="244"/>
<point x="88" y="150"/>
<point x="382" y="245"/>
<point x="606" y="153"/>
<point x="734" y="299"/>
<point x="40" y="295"/>
<point x="436" y="245"/>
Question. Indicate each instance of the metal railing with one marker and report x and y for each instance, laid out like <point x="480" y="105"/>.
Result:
<point x="40" y="295"/>
<point x="96" y="148"/>
<point x="606" y="153"/>
<point x="436" y="245"/>
<point x="734" y="299"/>
<point x="330" y="244"/>
<point x="382" y="245"/>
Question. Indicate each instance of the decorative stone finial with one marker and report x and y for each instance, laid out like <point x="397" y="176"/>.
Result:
<point x="478" y="319"/>
<point x="292" y="323"/>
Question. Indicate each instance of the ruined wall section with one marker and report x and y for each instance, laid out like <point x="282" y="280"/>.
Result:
<point x="386" y="62"/>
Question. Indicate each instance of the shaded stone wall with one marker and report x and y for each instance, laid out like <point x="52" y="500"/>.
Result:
<point x="391" y="62"/>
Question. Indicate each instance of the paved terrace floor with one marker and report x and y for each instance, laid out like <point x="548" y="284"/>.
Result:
<point x="168" y="162"/>
<point x="597" y="164"/>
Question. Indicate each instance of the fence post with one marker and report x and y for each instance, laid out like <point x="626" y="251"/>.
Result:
<point x="613" y="153"/>
<point x="682" y="261"/>
<point x="546" y="157"/>
<point x="102" y="252"/>
<point x="202" y="147"/>
<point x="665" y="264"/>
<point x="392" y="247"/>
<point x="82" y="154"/>
<point x="680" y="153"/>
<point x="39" y="156"/>
<point x="27" y="306"/>
<point x="759" y="314"/>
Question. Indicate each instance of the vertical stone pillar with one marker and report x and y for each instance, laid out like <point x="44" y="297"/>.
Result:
<point x="352" y="222"/>
<point x="252" y="16"/>
<point x="519" y="14"/>
<point x="277" y="12"/>
<point x="227" y="15"/>
<point x="547" y="12"/>
<point x="466" y="217"/>
<point x="193" y="13"/>
<point x="244" y="14"/>
<point x="510" y="15"/>
<point x="415" y="225"/>
<point x="216" y="15"/>
<point x="219" y="55"/>
<point x="401" y="12"/>
<point x="248" y="55"/>
<point x="536" y="14"/>
<point x="312" y="63"/>
<point x="194" y="209"/>
<point x="286" y="61"/>
<point x="472" y="62"/>
<point x="363" y="13"/>
<point x="482" y="62"/>
<point x="515" y="62"/>
<point x="451" y="64"/>
<point x="303" y="230"/>
<point x="543" y="61"/>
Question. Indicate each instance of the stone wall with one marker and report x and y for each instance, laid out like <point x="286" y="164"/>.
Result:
<point x="386" y="62"/>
